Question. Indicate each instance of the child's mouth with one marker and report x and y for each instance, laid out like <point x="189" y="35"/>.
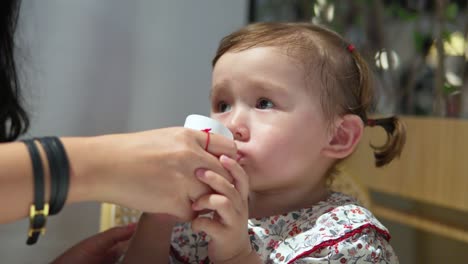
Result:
<point x="240" y="156"/>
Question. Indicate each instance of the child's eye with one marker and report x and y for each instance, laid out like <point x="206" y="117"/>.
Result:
<point x="223" y="107"/>
<point x="263" y="103"/>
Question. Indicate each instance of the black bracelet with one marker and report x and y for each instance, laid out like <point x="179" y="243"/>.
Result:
<point x="54" y="176"/>
<point x="59" y="172"/>
<point x="39" y="210"/>
<point x="63" y="168"/>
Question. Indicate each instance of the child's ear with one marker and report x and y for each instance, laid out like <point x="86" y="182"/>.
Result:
<point x="346" y="133"/>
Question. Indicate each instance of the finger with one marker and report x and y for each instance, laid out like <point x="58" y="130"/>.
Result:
<point x="241" y="180"/>
<point x="196" y="188"/>
<point x="218" y="144"/>
<point x="109" y="238"/>
<point x="221" y="204"/>
<point x="96" y="246"/>
<point x="211" y="227"/>
<point x="116" y="252"/>
<point x="219" y="184"/>
<point x="212" y="163"/>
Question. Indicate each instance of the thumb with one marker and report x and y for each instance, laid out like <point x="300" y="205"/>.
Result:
<point x="109" y="238"/>
<point x="96" y="248"/>
<point x="116" y="252"/>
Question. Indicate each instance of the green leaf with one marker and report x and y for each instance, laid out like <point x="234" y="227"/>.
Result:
<point x="448" y="88"/>
<point x="405" y="14"/>
<point x="446" y="35"/>
<point x="418" y="39"/>
<point x="451" y="11"/>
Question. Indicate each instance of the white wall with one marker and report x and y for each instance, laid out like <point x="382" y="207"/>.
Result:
<point x="95" y="67"/>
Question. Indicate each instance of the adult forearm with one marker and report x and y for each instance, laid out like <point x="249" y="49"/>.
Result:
<point x="16" y="177"/>
<point x="16" y="182"/>
<point x="137" y="170"/>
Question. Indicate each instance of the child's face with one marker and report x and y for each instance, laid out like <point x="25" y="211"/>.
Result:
<point x="262" y="96"/>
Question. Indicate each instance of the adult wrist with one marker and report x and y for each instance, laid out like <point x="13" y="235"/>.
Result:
<point x="85" y="182"/>
<point x="42" y="206"/>
<point x="161" y="218"/>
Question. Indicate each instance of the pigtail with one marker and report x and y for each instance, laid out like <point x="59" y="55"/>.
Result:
<point x="395" y="129"/>
<point x="396" y="138"/>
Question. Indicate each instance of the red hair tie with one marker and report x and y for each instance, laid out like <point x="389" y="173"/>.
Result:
<point x="207" y="131"/>
<point x="351" y="47"/>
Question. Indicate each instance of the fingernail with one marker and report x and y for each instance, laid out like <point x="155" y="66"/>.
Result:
<point x="223" y="158"/>
<point x="131" y="226"/>
<point x="200" y="173"/>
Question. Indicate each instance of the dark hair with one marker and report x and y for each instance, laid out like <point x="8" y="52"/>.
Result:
<point x="14" y="120"/>
<point x="347" y="86"/>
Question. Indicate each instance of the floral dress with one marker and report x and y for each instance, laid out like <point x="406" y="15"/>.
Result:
<point x="333" y="231"/>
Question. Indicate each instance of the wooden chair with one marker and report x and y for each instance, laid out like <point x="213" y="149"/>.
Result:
<point x="115" y="215"/>
<point x="348" y="184"/>
<point x="432" y="170"/>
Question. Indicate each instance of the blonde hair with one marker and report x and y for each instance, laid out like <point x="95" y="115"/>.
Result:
<point x="347" y="87"/>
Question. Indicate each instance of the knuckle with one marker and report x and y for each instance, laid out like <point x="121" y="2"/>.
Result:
<point x="189" y="154"/>
<point x="185" y="153"/>
<point x="210" y="175"/>
<point x="233" y="145"/>
<point x="224" y="202"/>
<point x="184" y="135"/>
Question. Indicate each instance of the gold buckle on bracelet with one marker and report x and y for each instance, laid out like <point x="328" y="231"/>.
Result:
<point x="32" y="214"/>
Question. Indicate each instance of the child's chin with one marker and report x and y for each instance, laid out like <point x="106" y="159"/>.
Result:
<point x="256" y="187"/>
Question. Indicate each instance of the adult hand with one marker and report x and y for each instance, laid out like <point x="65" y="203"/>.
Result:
<point x="152" y="240"/>
<point x="152" y="171"/>
<point x="105" y="247"/>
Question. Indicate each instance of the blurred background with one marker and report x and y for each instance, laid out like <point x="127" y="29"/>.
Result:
<point x="94" y="67"/>
<point x="417" y="48"/>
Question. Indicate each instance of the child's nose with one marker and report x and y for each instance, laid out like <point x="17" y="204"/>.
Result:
<point x="238" y="126"/>
<point x="241" y="133"/>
